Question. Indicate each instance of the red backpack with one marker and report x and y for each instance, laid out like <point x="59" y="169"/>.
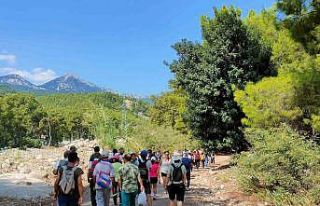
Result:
<point x="93" y="165"/>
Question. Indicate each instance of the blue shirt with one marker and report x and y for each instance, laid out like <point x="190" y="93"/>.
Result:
<point x="187" y="163"/>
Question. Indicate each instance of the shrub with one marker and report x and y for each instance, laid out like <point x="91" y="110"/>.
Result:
<point x="282" y="165"/>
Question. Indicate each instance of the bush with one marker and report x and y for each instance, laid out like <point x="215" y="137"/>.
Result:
<point x="282" y="166"/>
<point x="29" y="142"/>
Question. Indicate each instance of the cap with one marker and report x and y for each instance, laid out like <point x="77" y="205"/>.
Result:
<point x="144" y="153"/>
<point x="153" y="158"/>
<point x="104" y="154"/>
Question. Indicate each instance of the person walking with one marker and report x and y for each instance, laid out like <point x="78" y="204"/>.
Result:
<point x="164" y="168"/>
<point x="128" y="181"/>
<point x="115" y="185"/>
<point x="176" y="181"/>
<point x="187" y="162"/>
<point x="93" y="161"/>
<point x="61" y="162"/>
<point x="103" y="175"/>
<point x="154" y="174"/>
<point x="197" y="158"/>
<point x="144" y="169"/>
<point x="68" y="186"/>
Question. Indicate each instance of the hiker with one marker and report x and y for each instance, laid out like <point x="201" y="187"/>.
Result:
<point x="61" y="162"/>
<point x="129" y="177"/>
<point x="103" y="175"/>
<point x="206" y="160"/>
<point x="187" y="162"/>
<point x="93" y="161"/>
<point x="115" y="185"/>
<point x="154" y="174"/>
<point x="68" y="185"/>
<point x="176" y="181"/>
<point x="144" y="169"/>
<point x="197" y="158"/>
<point x="164" y="168"/>
<point x="134" y="158"/>
<point x="121" y="153"/>
<point x="202" y="159"/>
<point x="213" y="158"/>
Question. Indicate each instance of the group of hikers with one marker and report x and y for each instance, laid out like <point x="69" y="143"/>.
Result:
<point x="127" y="178"/>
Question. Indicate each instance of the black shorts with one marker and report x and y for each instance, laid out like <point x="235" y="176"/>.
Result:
<point x="176" y="191"/>
<point x="163" y="174"/>
<point x="153" y="180"/>
<point x="147" y="187"/>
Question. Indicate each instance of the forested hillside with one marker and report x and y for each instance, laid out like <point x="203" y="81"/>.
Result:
<point x="115" y="120"/>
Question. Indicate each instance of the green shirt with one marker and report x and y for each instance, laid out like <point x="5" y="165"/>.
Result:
<point x="129" y="175"/>
<point x="117" y="166"/>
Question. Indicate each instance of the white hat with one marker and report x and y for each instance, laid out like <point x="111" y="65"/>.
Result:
<point x="153" y="158"/>
<point x="104" y="154"/>
<point x="176" y="156"/>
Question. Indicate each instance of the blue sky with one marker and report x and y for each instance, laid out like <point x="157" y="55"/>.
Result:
<point x="120" y="45"/>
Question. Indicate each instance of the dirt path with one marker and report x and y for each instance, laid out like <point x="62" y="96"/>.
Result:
<point x="212" y="186"/>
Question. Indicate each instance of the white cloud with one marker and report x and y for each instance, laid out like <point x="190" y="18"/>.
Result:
<point x="8" y="58"/>
<point x="37" y="76"/>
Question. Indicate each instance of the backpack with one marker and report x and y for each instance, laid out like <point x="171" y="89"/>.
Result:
<point x="143" y="169"/>
<point x="104" y="180"/>
<point x="62" y="163"/>
<point x="67" y="182"/>
<point x="187" y="163"/>
<point x="93" y="165"/>
<point x="177" y="175"/>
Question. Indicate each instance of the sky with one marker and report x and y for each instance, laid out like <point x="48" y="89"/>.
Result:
<point x="116" y="44"/>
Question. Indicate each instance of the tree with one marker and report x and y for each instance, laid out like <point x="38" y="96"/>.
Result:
<point x="20" y="115"/>
<point x="302" y="18"/>
<point x="169" y="110"/>
<point x="229" y="57"/>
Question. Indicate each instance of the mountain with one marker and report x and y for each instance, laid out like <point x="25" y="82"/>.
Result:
<point x="63" y="84"/>
<point x="70" y="84"/>
<point x="18" y="83"/>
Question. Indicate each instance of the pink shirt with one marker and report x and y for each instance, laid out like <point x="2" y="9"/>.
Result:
<point x="154" y="170"/>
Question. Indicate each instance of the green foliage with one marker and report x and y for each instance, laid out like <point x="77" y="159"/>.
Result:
<point x="269" y="102"/>
<point x="169" y="110"/>
<point x="282" y="165"/>
<point x="230" y="56"/>
<point x="302" y="18"/>
<point x="19" y="118"/>
<point x="148" y="135"/>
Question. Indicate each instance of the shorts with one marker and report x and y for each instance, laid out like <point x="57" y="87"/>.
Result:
<point x="153" y="180"/>
<point x="147" y="187"/>
<point x="176" y="191"/>
<point x="163" y="174"/>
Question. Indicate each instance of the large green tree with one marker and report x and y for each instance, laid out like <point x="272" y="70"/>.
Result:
<point x="229" y="57"/>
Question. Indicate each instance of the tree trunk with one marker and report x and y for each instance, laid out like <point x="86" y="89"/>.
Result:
<point x="49" y="132"/>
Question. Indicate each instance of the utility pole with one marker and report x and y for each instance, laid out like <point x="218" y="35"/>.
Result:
<point x="124" y="119"/>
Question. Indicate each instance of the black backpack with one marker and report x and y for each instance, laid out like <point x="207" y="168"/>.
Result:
<point x="177" y="175"/>
<point x="143" y="169"/>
